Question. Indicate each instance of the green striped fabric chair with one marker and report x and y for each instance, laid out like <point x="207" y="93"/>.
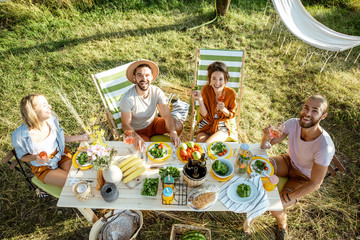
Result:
<point x="234" y="60"/>
<point x="111" y="85"/>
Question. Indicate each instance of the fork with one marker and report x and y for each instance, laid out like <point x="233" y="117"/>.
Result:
<point x="173" y="152"/>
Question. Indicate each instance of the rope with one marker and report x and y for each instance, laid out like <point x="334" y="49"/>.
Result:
<point x="211" y="21"/>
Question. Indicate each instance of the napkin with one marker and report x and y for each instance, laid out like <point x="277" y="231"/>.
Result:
<point x="253" y="208"/>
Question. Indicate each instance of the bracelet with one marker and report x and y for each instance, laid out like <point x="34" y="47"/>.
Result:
<point x="267" y="145"/>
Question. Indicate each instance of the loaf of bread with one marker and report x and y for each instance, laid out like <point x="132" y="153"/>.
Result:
<point x="203" y="200"/>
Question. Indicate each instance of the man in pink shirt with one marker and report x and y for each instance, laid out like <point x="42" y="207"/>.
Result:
<point x="310" y="150"/>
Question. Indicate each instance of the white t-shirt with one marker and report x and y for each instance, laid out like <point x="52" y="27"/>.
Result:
<point x="143" y="111"/>
<point x="304" y="154"/>
<point x="49" y="144"/>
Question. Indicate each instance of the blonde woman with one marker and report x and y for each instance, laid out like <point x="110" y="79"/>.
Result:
<point x="41" y="141"/>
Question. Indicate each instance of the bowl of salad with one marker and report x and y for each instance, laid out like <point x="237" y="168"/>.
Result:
<point x="222" y="168"/>
<point x="219" y="150"/>
<point x="159" y="152"/>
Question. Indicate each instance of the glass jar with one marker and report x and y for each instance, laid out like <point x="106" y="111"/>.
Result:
<point x="169" y="182"/>
<point x="168" y="195"/>
<point x="270" y="183"/>
<point x="244" y="158"/>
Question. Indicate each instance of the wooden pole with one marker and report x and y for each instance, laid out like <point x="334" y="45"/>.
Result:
<point x="222" y="6"/>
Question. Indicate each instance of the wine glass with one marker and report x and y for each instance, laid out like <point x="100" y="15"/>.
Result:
<point x="129" y="138"/>
<point x="221" y="98"/>
<point x="276" y="130"/>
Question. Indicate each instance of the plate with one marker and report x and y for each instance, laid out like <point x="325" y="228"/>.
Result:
<point x="76" y="163"/>
<point x="214" y="156"/>
<point x="270" y="170"/>
<point x="220" y="179"/>
<point x="195" y="209"/>
<point x="232" y="194"/>
<point x="152" y="158"/>
<point x="178" y="152"/>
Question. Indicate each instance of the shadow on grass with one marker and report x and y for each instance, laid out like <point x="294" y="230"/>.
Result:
<point x="23" y="214"/>
<point x="53" y="46"/>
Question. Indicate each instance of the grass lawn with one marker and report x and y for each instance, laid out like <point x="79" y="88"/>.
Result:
<point x="48" y="45"/>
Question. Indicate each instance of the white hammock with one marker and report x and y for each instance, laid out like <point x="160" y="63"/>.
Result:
<point x="306" y="28"/>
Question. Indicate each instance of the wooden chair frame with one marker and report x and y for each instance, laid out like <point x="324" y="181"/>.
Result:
<point x="241" y="89"/>
<point x="338" y="166"/>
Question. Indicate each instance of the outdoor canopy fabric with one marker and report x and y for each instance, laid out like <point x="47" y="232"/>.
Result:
<point x="306" y="28"/>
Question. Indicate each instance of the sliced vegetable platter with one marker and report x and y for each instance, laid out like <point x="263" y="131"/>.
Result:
<point x="79" y="160"/>
<point x="219" y="149"/>
<point x="158" y="151"/>
<point x="261" y="166"/>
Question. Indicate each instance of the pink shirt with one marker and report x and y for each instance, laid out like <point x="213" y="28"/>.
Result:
<point x="304" y="154"/>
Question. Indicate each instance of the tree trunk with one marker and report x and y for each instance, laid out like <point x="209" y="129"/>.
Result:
<point x="222" y="6"/>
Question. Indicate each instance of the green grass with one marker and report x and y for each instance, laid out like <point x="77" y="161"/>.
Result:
<point x="62" y="41"/>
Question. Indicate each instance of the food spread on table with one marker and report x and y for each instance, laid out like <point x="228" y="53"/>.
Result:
<point x="243" y="190"/>
<point x="172" y="171"/>
<point x="189" y="150"/>
<point x="80" y="160"/>
<point x="131" y="167"/>
<point x="219" y="149"/>
<point x="220" y="167"/>
<point x="203" y="197"/>
<point x="150" y="187"/>
<point x="261" y="166"/>
<point x="158" y="152"/>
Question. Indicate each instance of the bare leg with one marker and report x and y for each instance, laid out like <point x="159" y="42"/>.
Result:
<point x="201" y="137"/>
<point x="66" y="165"/>
<point x="281" y="218"/>
<point x="56" y="177"/>
<point x="247" y="228"/>
<point x="218" y="136"/>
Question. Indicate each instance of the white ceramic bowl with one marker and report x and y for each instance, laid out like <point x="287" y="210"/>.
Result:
<point x="229" y="164"/>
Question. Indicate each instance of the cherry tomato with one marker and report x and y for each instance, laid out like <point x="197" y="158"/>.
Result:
<point x="266" y="168"/>
<point x="225" y="150"/>
<point x="161" y="146"/>
<point x="264" y="163"/>
<point x="220" y="154"/>
<point x="183" y="153"/>
<point x="43" y="155"/>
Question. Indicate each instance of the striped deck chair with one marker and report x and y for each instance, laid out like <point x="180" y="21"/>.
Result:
<point x="234" y="60"/>
<point x="111" y="85"/>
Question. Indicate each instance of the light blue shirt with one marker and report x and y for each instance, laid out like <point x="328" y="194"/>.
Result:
<point x="23" y="144"/>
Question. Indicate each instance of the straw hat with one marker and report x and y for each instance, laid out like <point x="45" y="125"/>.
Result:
<point x="134" y="65"/>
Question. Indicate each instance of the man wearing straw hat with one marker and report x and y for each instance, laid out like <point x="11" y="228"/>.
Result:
<point x="138" y="104"/>
<point x="310" y="150"/>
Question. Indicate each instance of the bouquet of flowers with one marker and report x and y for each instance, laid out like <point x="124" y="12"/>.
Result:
<point x="97" y="153"/>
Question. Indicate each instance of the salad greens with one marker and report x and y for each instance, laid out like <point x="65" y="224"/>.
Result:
<point x="172" y="171"/>
<point x="158" y="151"/>
<point x="243" y="190"/>
<point x="150" y="187"/>
<point x="218" y="147"/>
<point x="82" y="158"/>
<point x="259" y="166"/>
<point x="220" y="167"/>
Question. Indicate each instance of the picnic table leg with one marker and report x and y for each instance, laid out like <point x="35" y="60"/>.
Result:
<point x="88" y="214"/>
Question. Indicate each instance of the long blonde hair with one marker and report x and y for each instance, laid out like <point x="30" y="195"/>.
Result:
<point x="28" y="114"/>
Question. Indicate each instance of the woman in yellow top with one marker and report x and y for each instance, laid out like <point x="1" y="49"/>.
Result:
<point x="216" y="105"/>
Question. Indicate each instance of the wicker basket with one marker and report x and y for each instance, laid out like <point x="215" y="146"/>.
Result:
<point x="177" y="230"/>
<point x="95" y="230"/>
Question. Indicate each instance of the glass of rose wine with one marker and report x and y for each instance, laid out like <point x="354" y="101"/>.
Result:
<point x="275" y="130"/>
<point x="129" y="138"/>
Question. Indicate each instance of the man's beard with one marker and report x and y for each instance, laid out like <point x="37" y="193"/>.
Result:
<point x="141" y="87"/>
<point x="308" y="124"/>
